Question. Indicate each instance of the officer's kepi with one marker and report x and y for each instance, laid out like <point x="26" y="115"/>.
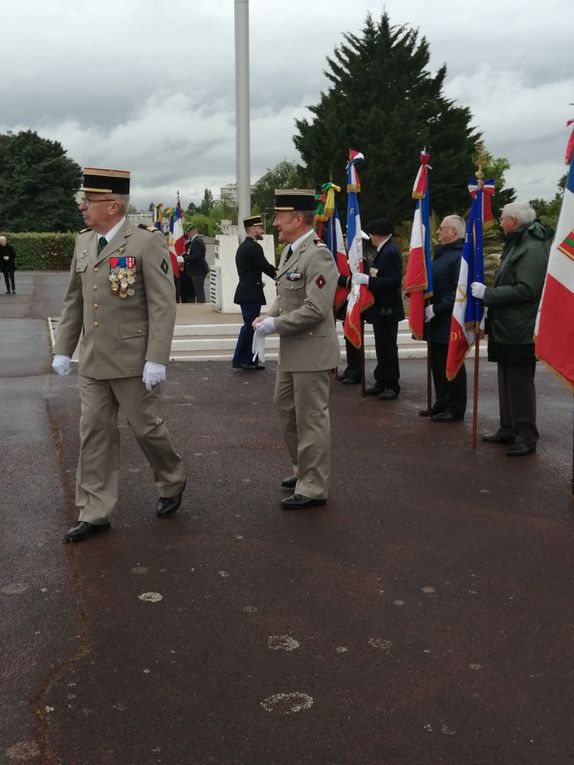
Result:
<point x="100" y="180"/>
<point x="294" y="200"/>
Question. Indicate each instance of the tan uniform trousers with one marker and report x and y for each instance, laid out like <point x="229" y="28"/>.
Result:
<point x="98" y="469"/>
<point x="302" y="400"/>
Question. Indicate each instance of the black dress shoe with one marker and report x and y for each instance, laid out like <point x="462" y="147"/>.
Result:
<point x="299" y="502"/>
<point x="429" y="412"/>
<point x="83" y="530"/>
<point x="350" y="380"/>
<point x="520" y="449"/>
<point x="167" y="506"/>
<point x="500" y="437"/>
<point x="388" y="394"/>
<point x="376" y="390"/>
<point x="446" y="417"/>
<point x="289" y="483"/>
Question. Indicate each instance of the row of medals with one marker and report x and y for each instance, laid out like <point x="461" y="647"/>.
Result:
<point x="122" y="282"/>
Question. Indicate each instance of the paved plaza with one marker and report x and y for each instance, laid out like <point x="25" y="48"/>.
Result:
<point x="424" y="616"/>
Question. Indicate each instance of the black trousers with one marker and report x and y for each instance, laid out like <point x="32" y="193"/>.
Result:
<point x="387" y="370"/>
<point x="517" y="401"/>
<point x="9" y="279"/>
<point x="450" y="396"/>
<point x="353" y="368"/>
<point x="199" y="287"/>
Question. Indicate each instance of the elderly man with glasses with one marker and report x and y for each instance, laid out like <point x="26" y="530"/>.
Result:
<point x="512" y="306"/>
<point x="450" y="403"/>
<point x="121" y="302"/>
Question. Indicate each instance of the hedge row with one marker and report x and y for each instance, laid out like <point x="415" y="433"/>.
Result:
<point x="42" y="252"/>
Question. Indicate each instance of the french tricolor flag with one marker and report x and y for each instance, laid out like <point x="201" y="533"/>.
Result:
<point x="554" y="331"/>
<point x="468" y="313"/>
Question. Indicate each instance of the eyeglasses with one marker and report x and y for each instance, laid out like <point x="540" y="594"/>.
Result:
<point x="87" y="201"/>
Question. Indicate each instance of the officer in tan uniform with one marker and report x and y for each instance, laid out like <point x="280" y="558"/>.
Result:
<point x="302" y="316"/>
<point x="121" y="302"/>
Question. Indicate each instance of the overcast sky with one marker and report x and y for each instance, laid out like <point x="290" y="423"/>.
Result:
<point x="149" y="87"/>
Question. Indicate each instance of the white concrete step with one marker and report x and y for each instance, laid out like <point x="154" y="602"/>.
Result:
<point x="216" y="342"/>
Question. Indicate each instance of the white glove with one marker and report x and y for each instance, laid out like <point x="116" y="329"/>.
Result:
<point x="62" y="365"/>
<point x="267" y="326"/>
<point x="258" y="347"/>
<point x="429" y="313"/>
<point x="153" y="374"/>
<point x="478" y="289"/>
<point x="360" y="278"/>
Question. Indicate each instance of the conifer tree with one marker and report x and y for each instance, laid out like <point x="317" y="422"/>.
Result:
<point x="38" y="183"/>
<point x="384" y="102"/>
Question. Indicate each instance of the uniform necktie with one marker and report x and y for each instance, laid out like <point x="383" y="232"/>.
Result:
<point x="289" y="252"/>
<point x="102" y="241"/>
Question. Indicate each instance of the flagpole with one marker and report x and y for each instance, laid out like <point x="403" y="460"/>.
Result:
<point x="475" y="387"/>
<point x="475" y="277"/>
<point x="429" y="371"/>
<point x="363" y="387"/>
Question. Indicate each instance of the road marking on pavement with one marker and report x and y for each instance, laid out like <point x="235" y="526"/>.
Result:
<point x="17" y="588"/>
<point x="151" y="597"/>
<point x="282" y="643"/>
<point x="287" y="703"/>
<point x="381" y="644"/>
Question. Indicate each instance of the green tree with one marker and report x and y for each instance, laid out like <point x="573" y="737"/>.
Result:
<point x="206" y="203"/>
<point x="284" y="175"/>
<point x="548" y="211"/>
<point x="383" y="102"/>
<point x="203" y="223"/>
<point x="38" y="183"/>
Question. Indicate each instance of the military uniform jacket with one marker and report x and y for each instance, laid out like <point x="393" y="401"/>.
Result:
<point x="195" y="262"/>
<point x="251" y="264"/>
<point x="118" y="335"/>
<point x="303" y="310"/>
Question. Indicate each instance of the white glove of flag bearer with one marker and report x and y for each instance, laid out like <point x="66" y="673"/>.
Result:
<point x="360" y="278"/>
<point x="62" y="365"/>
<point x="429" y="313"/>
<point x="478" y="289"/>
<point x="153" y="374"/>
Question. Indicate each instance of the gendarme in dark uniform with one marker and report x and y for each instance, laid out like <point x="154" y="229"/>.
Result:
<point x="251" y="265"/>
<point x="302" y="316"/>
<point x="120" y="304"/>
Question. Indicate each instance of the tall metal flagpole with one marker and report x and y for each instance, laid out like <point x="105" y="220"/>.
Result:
<point x="242" y="138"/>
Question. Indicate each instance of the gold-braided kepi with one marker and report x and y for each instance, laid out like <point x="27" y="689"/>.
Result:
<point x="253" y="220"/>
<point x="102" y="180"/>
<point x="294" y="200"/>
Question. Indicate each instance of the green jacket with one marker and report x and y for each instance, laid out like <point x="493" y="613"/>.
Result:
<point x="513" y="300"/>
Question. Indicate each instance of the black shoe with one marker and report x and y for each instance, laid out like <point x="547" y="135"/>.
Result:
<point x="350" y="380"/>
<point x="429" y="412"/>
<point x="376" y="390"/>
<point x="289" y="483"/>
<point x="83" y="530"/>
<point x="520" y="449"/>
<point x="446" y="417"/>
<point x="167" y="506"/>
<point x="500" y="437"/>
<point x="388" y="394"/>
<point x="299" y="502"/>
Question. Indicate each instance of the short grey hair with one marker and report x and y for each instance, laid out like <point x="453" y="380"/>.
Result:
<point x="124" y="201"/>
<point x="457" y="223"/>
<point x="520" y="211"/>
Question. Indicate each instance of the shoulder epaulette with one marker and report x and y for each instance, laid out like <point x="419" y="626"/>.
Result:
<point x="319" y="242"/>
<point x="148" y="228"/>
<point x="85" y="230"/>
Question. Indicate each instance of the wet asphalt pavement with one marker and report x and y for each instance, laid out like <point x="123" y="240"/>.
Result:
<point x="423" y="616"/>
